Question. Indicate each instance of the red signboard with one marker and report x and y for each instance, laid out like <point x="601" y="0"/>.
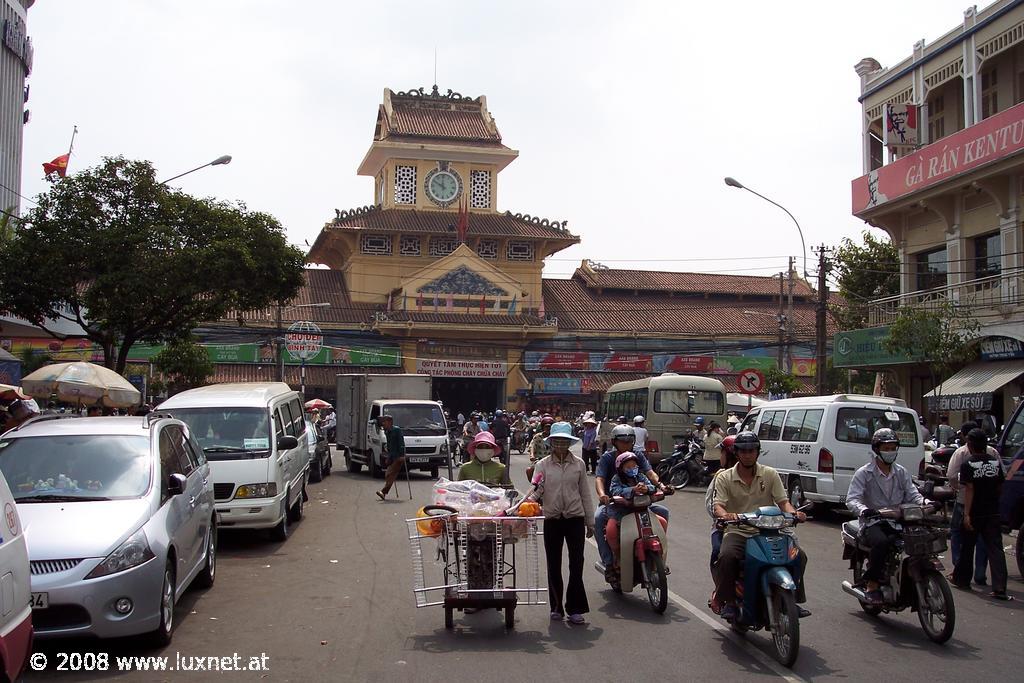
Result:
<point x="691" y="364"/>
<point x="564" y="360"/>
<point x="629" y="362"/>
<point x="991" y="140"/>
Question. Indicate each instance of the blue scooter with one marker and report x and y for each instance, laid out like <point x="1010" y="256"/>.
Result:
<point x="766" y="588"/>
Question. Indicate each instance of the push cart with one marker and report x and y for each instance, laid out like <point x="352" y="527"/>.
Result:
<point x="465" y="562"/>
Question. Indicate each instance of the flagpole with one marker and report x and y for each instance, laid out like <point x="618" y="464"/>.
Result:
<point x="71" y="147"/>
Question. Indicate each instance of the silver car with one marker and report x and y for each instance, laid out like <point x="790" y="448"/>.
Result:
<point x="119" y="519"/>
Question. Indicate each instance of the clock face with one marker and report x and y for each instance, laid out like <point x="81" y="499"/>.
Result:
<point x="443" y="186"/>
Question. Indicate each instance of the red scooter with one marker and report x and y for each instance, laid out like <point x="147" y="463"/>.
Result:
<point x="645" y="540"/>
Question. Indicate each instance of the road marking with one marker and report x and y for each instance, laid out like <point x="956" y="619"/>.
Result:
<point x="743" y="643"/>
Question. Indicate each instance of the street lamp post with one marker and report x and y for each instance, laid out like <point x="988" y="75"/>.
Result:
<point x="732" y="182"/>
<point x="219" y="161"/>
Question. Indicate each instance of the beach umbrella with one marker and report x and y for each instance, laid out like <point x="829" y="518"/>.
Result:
<point x="81" y="383"/>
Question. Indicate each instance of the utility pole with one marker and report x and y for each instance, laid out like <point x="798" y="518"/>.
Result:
<point x="782" y="327"/>
<point x="279" y="344"/>
<point x="789" y="319"/>
<point x="821" y="311"/>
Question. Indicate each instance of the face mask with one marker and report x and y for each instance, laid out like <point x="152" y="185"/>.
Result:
<point x="632" y="471"/>
<point x="888" y="457"/>
<point x="484" y="454"/>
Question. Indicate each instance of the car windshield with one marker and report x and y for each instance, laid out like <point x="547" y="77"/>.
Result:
<point x="417" y="419"/>
<point x="229" y="433"/>
<point x="69" y="468"/>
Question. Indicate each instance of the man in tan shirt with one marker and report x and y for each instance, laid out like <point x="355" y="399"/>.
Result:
<point x="745" y="488"/>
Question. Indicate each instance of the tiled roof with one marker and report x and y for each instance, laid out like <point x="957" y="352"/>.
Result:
<point x="578" y="307"/>
<point x="441" y="123"/>
<point x="697" y="283"/>
<point x="435" y="222"/>
<point x="322" y="286"/>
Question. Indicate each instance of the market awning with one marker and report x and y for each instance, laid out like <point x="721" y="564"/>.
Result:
<point x="971" y="388"/>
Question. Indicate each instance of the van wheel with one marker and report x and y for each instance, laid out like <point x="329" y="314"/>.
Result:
<point x="328" y="466"/>
<point x="375" y="470"/>
<point x="316" y="472"/>
<point x="282" y="530"/>
<point x="161" y="637"/>
<point x="295" y="512"/>
<point x="433" y="473"/>
<point x="351" y="465"/>
<point x="206" y="577"/>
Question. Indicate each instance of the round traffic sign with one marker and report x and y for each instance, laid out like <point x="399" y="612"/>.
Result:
<point x="303" y="340"/>
<point x="750" y="381"/>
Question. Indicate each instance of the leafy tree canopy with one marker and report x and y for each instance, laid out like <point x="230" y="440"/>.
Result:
<point x="185" y="363"/>
<point x="868" y="270"/>
<point x="779" y="382"/>
<point x="131" y="260"/>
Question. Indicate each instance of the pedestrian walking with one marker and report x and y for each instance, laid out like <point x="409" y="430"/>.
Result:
<point x="395" y="449"/>
<point x="982" y="478"/>
<point x="560" y="479"/>
<point x="956" y="462"/>
<point x="604" y="433"/>
<point x="590" y="443"/>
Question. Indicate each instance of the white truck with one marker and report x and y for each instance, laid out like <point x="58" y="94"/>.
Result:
<point x="363" y="399"/>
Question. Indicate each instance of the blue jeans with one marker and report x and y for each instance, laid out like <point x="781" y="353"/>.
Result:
<point x="955" y="543"/>
<point x="601" y="527"/>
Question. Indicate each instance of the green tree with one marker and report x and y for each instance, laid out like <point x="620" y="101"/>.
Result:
<point x="184" y="363"/>
<point x="869" y="270"/>
<point x="941" y="337"/>
<point x="131" y="260"/>
<point x="779" y="382"/>
<point x="32" y="359"/>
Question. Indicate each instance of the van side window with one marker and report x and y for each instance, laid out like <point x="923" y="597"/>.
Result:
<point x="287" y="419"/>
<point x="856" y="425"/>
<point x="298" y="418"/>
<point x="748" y="422"/>
<point x="278" y="425"/>
<point x="374" y="413"/>
<point x="771" y="425"/>
<point x="802" y="425"/>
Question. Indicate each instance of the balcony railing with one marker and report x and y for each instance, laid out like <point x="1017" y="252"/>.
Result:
<point x="1000" y="292"/>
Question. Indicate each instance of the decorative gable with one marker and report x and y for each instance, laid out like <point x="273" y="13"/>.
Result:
<point x="462" y="280"/>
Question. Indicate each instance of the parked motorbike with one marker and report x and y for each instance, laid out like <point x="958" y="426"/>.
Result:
<point x="915" y="575"/>
<point x="691" y="469"/>
<point x="679" y="451"/>
<point x="643" y="539"/>
<point x="766" y="588"/>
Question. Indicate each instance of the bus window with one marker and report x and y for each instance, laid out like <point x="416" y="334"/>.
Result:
<point x="684" y="401"/>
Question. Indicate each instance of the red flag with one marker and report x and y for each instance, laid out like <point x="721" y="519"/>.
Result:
<point x="450" y="303"/>
<point x="483" y="305"/>
<point x="419" y="302"/>
<point x="462" y="227"/>
<point x="58" y="166"/>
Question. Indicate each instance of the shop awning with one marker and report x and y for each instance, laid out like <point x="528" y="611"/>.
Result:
<point x="971" y="388"/>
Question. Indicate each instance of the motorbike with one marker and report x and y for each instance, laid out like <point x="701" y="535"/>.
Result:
<point x="519" y="440"/>
<point x="691" y="468"/>
<point x="644" y="538"/>
<point x="915" y="575"/>
<point x="679" y="451"/>
<point x="766" y="587"/>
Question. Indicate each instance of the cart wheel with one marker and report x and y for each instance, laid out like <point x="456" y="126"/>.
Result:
<point x="510" y="618"/>
<point x="449" y="620"/>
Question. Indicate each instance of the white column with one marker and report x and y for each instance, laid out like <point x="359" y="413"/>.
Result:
<point x="972" y="89"/>
<point x="954" y="264"/>
<point x="1010" y="261"/>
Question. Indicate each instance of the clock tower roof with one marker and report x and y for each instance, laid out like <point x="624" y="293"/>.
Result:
<point x="449" y="125"/>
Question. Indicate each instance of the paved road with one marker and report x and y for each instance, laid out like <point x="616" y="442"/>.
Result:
<point x="333" y="603"/>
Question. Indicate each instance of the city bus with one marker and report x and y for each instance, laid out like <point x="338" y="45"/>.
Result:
<point x="671" y="403"/>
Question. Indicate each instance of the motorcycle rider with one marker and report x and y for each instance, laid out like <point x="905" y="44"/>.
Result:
<point x="880" y="484"/>
<point x="713" y="454"/>
<point x="500" y="430"/>
<point x="623" y="441"/>
<point x="539" y="447"/>
<point x="699" y="432"/>
<point x="744" y="488"/>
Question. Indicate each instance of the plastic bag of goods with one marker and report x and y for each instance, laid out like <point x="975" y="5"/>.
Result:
<point x="469" y="497"/>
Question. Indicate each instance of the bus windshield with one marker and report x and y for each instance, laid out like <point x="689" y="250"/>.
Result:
<point x="689" y="401"/>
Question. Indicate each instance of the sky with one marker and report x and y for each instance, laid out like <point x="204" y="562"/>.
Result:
<point x="627" y="116"/>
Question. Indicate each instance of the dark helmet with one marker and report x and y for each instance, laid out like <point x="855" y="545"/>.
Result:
<point x="746" y="441"/>
<point x="883" y="435"/>
<point x="547" y="420"/>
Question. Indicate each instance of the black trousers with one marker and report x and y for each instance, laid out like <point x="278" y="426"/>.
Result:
<point x="991" y="535"/>
<point x="730" y="561"/>
<point x="880" y="537"/>
<point x="571" y="532"/>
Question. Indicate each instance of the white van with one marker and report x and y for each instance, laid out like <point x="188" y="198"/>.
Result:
<point x="15" y="591"/>
<point x="818" y="442"/>
<point x="254" y="437"/>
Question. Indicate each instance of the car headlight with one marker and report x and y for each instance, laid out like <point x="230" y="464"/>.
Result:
<point x="133" y="552"/>
<point x="263" y="490"/>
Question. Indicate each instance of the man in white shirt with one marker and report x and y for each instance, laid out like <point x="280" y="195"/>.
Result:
<point x="640" y="431"/>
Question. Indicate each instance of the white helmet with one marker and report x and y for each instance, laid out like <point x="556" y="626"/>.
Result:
<point x="623" y="432"/>
<point x="639" y="420"/>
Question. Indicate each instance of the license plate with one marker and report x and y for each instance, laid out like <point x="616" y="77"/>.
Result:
<point x="422" y="458"/>
<point x="39" y="600"/>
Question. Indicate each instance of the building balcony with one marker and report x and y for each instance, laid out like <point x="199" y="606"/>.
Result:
<point x="996" y="296"/>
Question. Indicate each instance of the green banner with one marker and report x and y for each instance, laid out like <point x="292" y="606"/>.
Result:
<point x="736" y="364"/>
<point x="375" y="356"/>
<point x="863" y="348"/>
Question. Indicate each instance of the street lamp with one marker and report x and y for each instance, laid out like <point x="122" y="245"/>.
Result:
<point x="732" y="182"/>
<point x="279" y="340"/>
<point x="219" y="161"/>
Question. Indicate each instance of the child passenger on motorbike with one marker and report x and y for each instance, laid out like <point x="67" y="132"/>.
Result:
<point x="627" y="482"/>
